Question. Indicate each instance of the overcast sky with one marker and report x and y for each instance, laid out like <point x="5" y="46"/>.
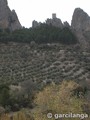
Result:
<point x="40" y="10"/>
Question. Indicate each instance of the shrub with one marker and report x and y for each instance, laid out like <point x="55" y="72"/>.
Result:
<point x="17" y="116"/>
<point x="58" y="99"/>
<point x="4" y="95"/>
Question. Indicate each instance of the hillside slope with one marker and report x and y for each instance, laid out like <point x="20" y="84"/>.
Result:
<point x="43" y="63"/>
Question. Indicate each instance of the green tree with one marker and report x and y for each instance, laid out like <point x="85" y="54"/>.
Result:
<point x="4" y="95"/>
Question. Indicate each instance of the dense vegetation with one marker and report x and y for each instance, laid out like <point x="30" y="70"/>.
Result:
<point x="61" y="99"/>
<point x="56" y="99"/>
<point x="42" y="34"/>
<point x="14" y="99"/>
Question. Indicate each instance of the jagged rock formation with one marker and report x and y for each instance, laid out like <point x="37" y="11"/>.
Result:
<point x="35" y="24"/>
<point x="66" y="24"/>
<point x="8" y="18"/>
<point x="81" y="26"/>
<point x="54" y="21"/>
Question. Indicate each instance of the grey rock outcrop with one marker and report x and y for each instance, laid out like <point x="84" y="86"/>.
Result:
<point x="81" y="26"/>
<point x="8" y="18"/>
<point x="35" y="24"/>
<point x="55" y="22"/>
<point x="66" y="24"/>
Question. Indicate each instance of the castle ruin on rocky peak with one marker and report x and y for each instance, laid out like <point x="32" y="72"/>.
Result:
<point x="54" y="21"/>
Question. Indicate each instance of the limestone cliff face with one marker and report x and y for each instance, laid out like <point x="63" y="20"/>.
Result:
<point x="81" y="25"/>
<point x="8" y="18"/>
<point x="15" y="24"/>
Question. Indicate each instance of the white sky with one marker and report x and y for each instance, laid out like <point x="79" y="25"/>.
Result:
<point x="40" y="10"/>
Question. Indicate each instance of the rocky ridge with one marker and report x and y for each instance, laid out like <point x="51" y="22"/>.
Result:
<point x="81" y="26"/>
<point x="54" y="21"/>
<point x="8" y="18"/>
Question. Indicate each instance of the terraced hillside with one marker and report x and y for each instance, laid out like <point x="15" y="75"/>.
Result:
<point x="43" y="63"/>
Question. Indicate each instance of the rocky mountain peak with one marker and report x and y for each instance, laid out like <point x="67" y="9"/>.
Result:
<point x="80" y="19"/>
<point x="81" y="25"/>
<point x="3" y="2"/>
<point x="8" y="18"/>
